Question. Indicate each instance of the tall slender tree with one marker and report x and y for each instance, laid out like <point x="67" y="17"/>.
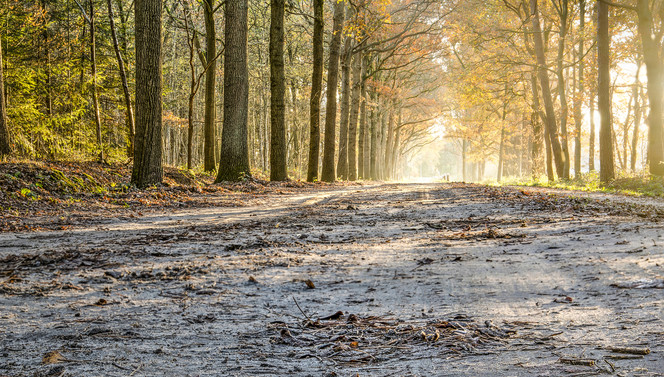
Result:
<point x="95" y="89"/>
<point x="551" y="123"/>
<point x="606" y="169"/>
<point x="316" y="93"/>
<point x="147" y="169"/>
<point x="328" y="171"/>
<point x="5" y="145"/>
<point x="278" y="168"/>
<point x="209" y="158"/>
<point x="234" y="159"/>
<point x="123" y="77"/>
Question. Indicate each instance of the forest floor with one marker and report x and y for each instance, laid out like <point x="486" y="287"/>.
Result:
<point x="377" y="280"/>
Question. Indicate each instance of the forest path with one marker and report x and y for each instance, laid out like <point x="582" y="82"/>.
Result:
<point x="432" y="279"/>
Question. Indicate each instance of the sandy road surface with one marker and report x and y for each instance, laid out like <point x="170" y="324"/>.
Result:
<point x="431" y="280"/>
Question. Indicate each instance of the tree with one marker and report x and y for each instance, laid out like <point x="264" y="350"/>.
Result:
<point x="95" y="89"/>
<point x="328" y="173"/>
<point x="209" y="163"/>
<point x="234" y="159"/>
<point x="5" y="145"/>
<point x="606" y="170"/>
<point x="316" y="92"/>
<point x="278" y="168"/>
<point x="123" y="77"/>
<point x="147" y="169"/>
<point x="551" y="124"/>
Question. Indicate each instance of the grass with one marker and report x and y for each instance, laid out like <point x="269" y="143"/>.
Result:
<point x="624" y="184"/>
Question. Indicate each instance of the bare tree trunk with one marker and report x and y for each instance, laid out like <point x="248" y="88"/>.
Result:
<point x="562" y="95"/>
<point x="362" y="145"/>
<point x="373" y="136"/>
<point x="95" y="94"/>
<point x="653" y="60"/>
<point x="342" y="165"/>
<point x="147" y="168"/>
<point x="579" y="92"/>
<point x="316" y="92"/>
<point x="328" y="172"/>
<point x="278" y="168"/>
<point x="387" y="173"/>
<point x="5" y="144"/>
<point x="354" y="115"/>
<point x="125" y="86"/>
<point x="536" y="118"/>
<point x="551" y="123"/>
<point x="234" y="158"/>
<point x="637" y="120"/>
<point x="606" y="171"/>
<point x="209" y="158"/>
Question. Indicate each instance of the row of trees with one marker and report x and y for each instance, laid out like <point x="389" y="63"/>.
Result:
<point x="70" y="72"/>
<point x="534" y="80"/>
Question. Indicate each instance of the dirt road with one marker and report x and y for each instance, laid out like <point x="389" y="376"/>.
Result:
<point x="430" y="279"/>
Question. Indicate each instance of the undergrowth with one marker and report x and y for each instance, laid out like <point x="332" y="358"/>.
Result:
<point x="623" y="184"/>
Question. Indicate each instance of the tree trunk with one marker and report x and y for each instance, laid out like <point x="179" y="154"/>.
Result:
<point x="234" y="156"/>
<point x="551" y="123"/>
<point x="125" y="86"/>
<point x="606" y="170"/>
<point x="147" y="169"/>
<point x="95" y="94"/>
<point x="354" y="114"/>
<point x="562" y="95"/>
<point x="373" y="135"/>
<point x="342" y="165"/>
<point x="536" y="117"/>
<point x="637" y="121"/>
<point x="5" y="144"/>
<point x="316" y="92"/>
<point x="209" y="158"/>
<point x="278" y="168"/>
<point x="362" y="168"/>
<point x="579" y="92"/>
<point x="651" y="55"/>
<point x="328" y="172"/>
<point x="387" y="174"/>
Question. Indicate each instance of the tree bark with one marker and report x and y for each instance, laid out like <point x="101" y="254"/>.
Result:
<point x="316" y="92"/>
<point x="342" y="165"/>
<point x="362" y="156"/>
<point x="125" y="86"/>
<point x="234" y="156"/>
<point x="637" y="121"/>
<point x="579" y="92"/>
<point x="5" y="144"/>
<point x="536" y="118"/>
<point x="278" y="169"/>
<point x="354" y="115"/>
<point x="373" y="135"/>
<point x="95" y="94"/>
<point x="147" y="169"/>
<point x="328" y="172"/>
<point x="606" y="170"/>
<point x="209" y="158"/>
<point x="562" y="95"/>
<point x="551" y="123"/>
